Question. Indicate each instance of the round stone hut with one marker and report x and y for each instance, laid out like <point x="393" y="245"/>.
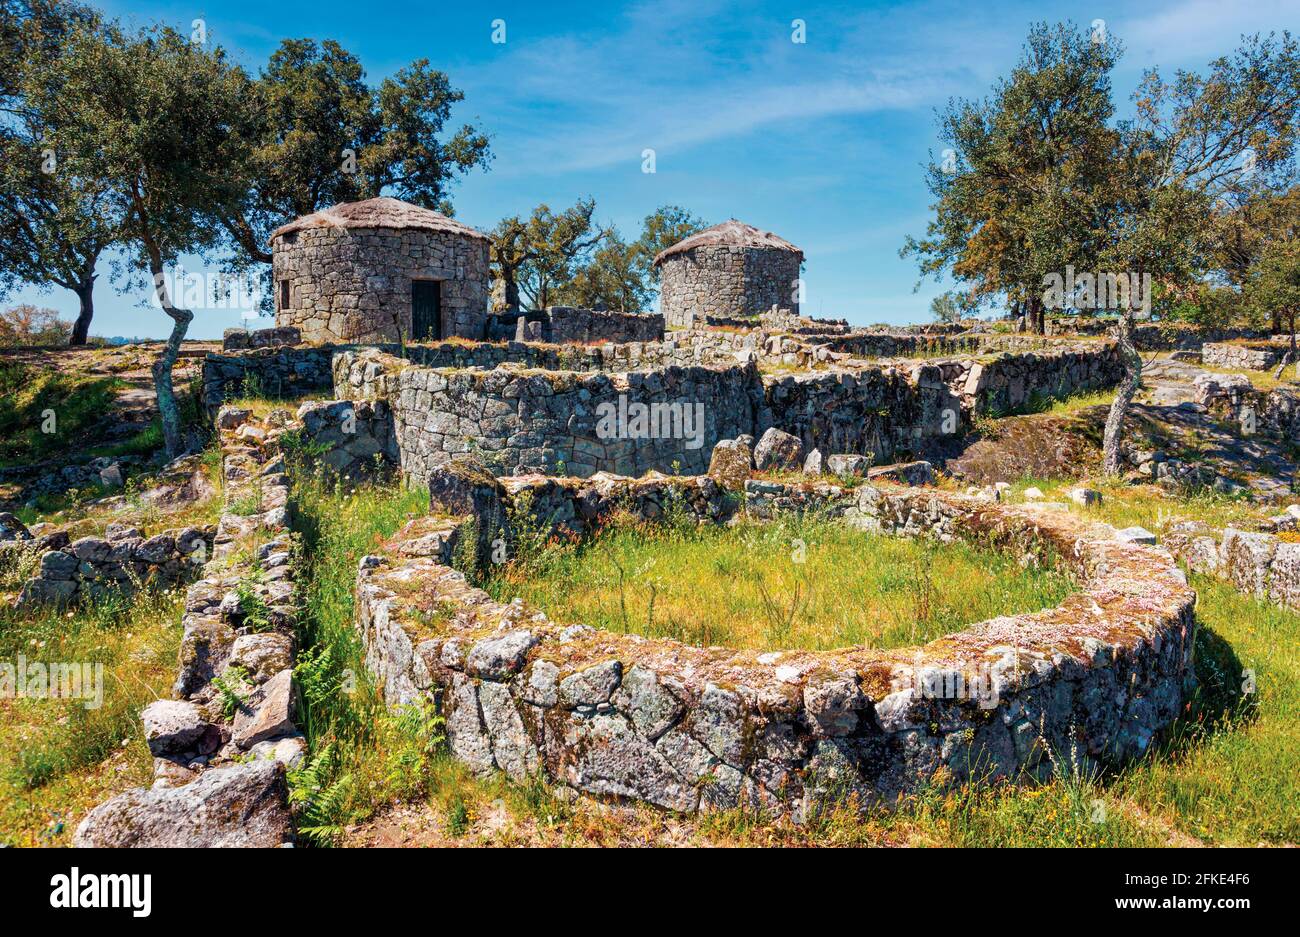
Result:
<point x="731" y="270"/>
<point x="380" y="270"/>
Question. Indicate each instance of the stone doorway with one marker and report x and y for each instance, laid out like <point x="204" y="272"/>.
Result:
<point x="426" y="310"/>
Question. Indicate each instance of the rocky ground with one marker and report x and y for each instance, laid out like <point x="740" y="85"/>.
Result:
<point x="1167" y="426"/>
<point x="74" y="467"/>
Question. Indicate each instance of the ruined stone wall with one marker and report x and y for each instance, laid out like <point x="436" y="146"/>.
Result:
<point x="697" y="729"/>
<point x="244" y="339"/>
<point x="1254" y="357"/>
<point x="565" y="324"/>
<point x="1010" y="381"/>
<point x="882" y="412"/>
<point x="349" y="439"/>
<point x="219" y="777"/>
<point x="1232" y="397"/>
<point x="1259" y="564"/>
<point x="901" y="344"/>
<point x="286" y="372"/>
<point x="579" y="423"/>
<point x="123" y="561"/>
<point x="728" y="282"/>
<point x="354" y="284"/>
<point x="520" y="420"/>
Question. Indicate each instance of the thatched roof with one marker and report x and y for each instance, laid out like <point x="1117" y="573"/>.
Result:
<point x="730" y="233"/>
<point x="380" y="212"/>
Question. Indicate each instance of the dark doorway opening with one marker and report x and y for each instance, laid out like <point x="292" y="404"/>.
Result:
<point x="426" y="310"/>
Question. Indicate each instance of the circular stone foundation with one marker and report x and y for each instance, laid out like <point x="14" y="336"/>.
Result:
<point x="697" y="728"/>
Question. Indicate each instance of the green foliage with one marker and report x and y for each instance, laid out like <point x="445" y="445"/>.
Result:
<point x="362" y="755"/>
<point x="29" y="396"/>
<point x="315" y="111"/>
<point x="1017" y="188"/>
<point x="567" y="258"/>
<point x="232" y="686"/>
<point x="793" y="583"/>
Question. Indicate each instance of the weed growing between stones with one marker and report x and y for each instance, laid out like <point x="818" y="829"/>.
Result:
<point x="793" y="583"/>
<point x="362" y="755"/>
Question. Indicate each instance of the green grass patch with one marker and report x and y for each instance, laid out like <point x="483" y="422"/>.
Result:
<point x="362" y="755"/>
<point x="59" y="758"/>
<point x="792" y="583"/>
<point x="44" y="412"/>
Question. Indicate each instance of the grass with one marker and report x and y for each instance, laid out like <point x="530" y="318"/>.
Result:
<point x="794" y="583"/>
<point x="45" y="411"/>
<point x="1148" y="506"/>
<point x="1227" y="777"/>
<point x="361" y="754"/>
<point x="1238" y="782"/>
<point x="57" y="757"/>
<point x="1262" y="380"/>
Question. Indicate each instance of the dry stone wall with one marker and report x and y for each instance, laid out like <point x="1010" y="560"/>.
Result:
<point x="354" y="284"/>
<point x="122" y="562"/>
<point x="1255" y="357"/>
<point x="1259" y="564"/>
<point x="565" y="324"/>
<point x="697" y="729"/>
<point x="219" y="770"/>
<point x="1233" y="398"/>
<point x="286" y="372"/>
<point x="520" y="420"/>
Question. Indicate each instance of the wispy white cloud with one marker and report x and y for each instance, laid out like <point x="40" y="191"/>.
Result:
<point x="1202" y="28"/>
<point x="580" y="102"/>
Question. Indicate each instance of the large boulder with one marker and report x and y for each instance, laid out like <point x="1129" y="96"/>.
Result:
<point x="267" y="713"/>
<point x="778" y="451"/>
<point x="241" y="805"/>
<point x="848" y="465"/>
<point x="731" y="463"/>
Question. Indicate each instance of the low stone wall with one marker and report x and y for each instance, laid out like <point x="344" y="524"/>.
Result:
<point x="1274" y="414"/>
<point x="902" y="345"/>
<point x="349" y="439"/>
<point x="561" y="422"/>
<point x="1011" y="380"/>
<point x="222" y="744"/>
<point x="92" y="568"/>
<point x="244" y="339"/>
<point x="689" y="728"/>
<point x="565" y="324"/>
<point x="522" y="421"/>
<point x="884" y="412"/>
<point x="1166" y="336"/>
<point x="286" y="372"/>
<point x="1259" y="564"/>
<point x="1254" y="357"/>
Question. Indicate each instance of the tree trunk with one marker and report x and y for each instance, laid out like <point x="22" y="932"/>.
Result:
<point x="170" y="413"/>
<point x="1035" y="319"/>
<point x="81" y="328"/>
<point x="1293" y="354"/>
<point x="1112" y="462"/>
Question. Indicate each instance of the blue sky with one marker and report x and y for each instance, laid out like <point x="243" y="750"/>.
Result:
<point x="821" y="142"/>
